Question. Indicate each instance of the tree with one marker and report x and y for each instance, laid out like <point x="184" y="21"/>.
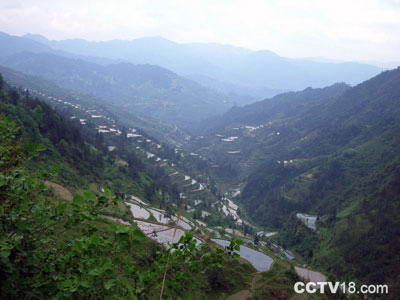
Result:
<point x="14" y="97"/>
<point x="256" y="240"/>
<point x="56" y="249"/>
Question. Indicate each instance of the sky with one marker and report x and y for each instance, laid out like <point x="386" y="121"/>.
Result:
<point x="358" y="30"/>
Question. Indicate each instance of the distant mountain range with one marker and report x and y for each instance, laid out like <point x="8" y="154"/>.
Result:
<point x="147" y="89"/>
<point x="331" y="152"/>
<point x="241" y="95"/>
<point x="133" y="75"/>
<point x="229" y="64"/>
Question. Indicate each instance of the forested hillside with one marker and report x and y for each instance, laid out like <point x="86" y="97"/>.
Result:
<point x="56" y="245"/>
<point x="330" y="153"/>
<point x="219" y="150"/>
<point x="147" y="89"/>
<point x="39" y="86"/>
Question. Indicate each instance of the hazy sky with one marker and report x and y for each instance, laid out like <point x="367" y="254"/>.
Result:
<point x="338" y="29"/>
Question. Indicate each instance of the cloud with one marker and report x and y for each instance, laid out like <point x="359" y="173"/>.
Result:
<point x="341" y="29"/>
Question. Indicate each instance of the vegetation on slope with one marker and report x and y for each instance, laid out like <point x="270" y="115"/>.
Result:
<point x="54" y="248"/>
<point x="146" y="89"/>
<point x="329" y="152"/>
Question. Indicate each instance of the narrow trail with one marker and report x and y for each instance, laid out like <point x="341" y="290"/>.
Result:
<point x="246" y="294"/>
<point x="59" y="190"/>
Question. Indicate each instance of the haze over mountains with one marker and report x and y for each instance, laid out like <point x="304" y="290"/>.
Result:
<point x="132" y="74"/>
<point x="323" y="143"/>
<point x="236" y="76"/>
<point x="233" y="65"/>
<point x="206" y="149"/>
<point x="148" y="89"/>
<point x="221" y="75"/>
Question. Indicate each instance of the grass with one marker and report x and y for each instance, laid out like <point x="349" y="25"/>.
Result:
<point x="278" y="283"/>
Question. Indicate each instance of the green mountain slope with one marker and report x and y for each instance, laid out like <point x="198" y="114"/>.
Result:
<point x="172" y="170"/>
<point x="147" y="89"/>
<point x="39" y="86"/>
<point x="56" y="246"/>
<point x="332" y="153"/>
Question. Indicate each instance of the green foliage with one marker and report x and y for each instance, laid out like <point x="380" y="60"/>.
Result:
<point x="337" y="157"/>
<point x="51" y="248"/>
<point x="177" y="270"/>
<point x="297" y="237"/>
<point x="276" y="283"/>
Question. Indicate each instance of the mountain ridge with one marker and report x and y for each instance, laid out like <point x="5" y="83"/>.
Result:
<point x="125" y="84"/>
<point x="329" y="153"/>
<point x="259" y="69"/>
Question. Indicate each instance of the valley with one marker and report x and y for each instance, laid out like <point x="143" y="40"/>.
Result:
<point x="170" y="180"/>
<point x="198" y="208"/>
<point x="302" y="159"/>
